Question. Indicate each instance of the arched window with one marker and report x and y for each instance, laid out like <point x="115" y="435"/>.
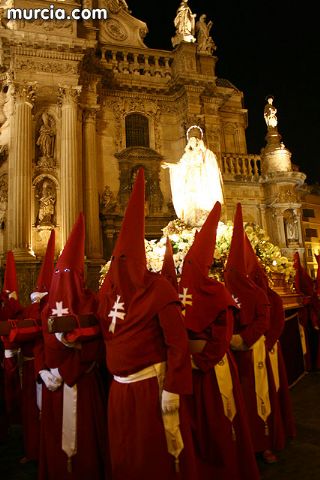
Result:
<point x="137" y="130"/>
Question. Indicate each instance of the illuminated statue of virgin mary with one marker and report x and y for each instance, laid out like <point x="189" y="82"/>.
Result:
<point x="196" y="181"/>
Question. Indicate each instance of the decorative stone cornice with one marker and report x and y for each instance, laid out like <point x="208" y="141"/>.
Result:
<point x="138" y="153"/>
<point x="297" y="178"/>
<point x="45" y="53"/>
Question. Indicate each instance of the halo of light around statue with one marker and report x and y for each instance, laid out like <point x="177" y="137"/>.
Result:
<point x="194" y="127"/>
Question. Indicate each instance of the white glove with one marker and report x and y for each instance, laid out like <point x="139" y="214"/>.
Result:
<point x="51" y="381"/>
<point x="10" y="353"/>
<point x="60" y="336"/>
<point x="35" y="297"/>
<point x="169" y="402"/>
<point x="55" y="372"/>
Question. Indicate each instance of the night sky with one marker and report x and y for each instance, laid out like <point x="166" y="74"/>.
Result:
<point x="265" y="47"/>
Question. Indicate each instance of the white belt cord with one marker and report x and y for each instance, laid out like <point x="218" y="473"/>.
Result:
<point x="148" y="372"/>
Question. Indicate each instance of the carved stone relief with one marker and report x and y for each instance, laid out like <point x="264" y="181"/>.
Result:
<point x="45" y="202"/>
<point x="108" y="201"/>
<point x="46" y="142"/>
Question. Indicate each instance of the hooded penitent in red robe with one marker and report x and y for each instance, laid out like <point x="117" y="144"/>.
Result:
<point x="222" y="436"/>
<point x="147" y="353"/>
<point x="284" y="425"/>
<point x="28" y="339"/>
<point x="248" y="342"/>
<point x="73" y="417"/>
<point x="309" y="316"/>
<point x="11" y="310"/>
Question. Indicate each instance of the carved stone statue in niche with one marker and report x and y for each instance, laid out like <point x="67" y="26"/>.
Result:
<point x="108" y="202"/>
<point x="291" y="226"/>
<point x="46" y="140"/>
<point x="3" y="200"/>
<point x="47" y="201"/>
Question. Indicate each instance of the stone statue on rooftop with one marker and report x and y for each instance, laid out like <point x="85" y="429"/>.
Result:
<point x="270" y="113"/>
<point x="204" y="41"/>
<point x="185" y="24"/>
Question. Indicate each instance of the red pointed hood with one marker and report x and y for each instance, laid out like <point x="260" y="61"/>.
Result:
<point x="128" y="262"/>
<point x="236" y="258"/>
<point x="253" y="266"/>
<point x="242" y="288"/>
<point x="39" y="296"/>
<point x="302" y="281"/>
<point x="47" y="267"/>
<point x="318" y="274"/>
<point x="10" y="306"/>
<point x="129" y="288"/>
<point x="202" y="249"/>
<point x="203" y="298"/>
<point x="10" y="284"/>
<point x="72" y="256"/>
<point x="168" y="268"/>
<point x="67" y="290"/>
<point x="130" y="242"/>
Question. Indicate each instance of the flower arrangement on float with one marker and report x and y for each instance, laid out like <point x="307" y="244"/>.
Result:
<point x="181" y="235"/>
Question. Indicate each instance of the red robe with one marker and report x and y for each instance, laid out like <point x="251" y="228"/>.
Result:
<point x="225" y="447"/>
<point x="144" y="337"/>
<point x="284" y="425"/>
<point x="3" y="414"/>
<point x="11" y="309"/>
<point x="251" y="329"/>
<point x="77" y="367"/>
<point x="25" y="338"/>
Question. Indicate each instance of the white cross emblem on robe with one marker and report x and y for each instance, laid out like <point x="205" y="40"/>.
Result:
<point x="186" y="299"/>
<point x="59" y="310"/>
<point x="236" y="299"/>
<point x="116" y="312"/>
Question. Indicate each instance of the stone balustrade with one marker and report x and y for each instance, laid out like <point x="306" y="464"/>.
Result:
<point x="235" y="166"/>
<point x="140" y="62"/>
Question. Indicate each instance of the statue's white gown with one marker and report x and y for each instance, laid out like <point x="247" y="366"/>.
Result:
<point x="196" y="185"/>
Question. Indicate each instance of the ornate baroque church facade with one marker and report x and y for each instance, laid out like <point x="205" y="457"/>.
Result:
<point x="85" y="104"/>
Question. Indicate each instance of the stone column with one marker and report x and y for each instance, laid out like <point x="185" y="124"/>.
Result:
<point x="91" y="196"/>
<point x="20" y="172"/>
<point x="70" y="168"/>
<point x="263" y="220"/>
